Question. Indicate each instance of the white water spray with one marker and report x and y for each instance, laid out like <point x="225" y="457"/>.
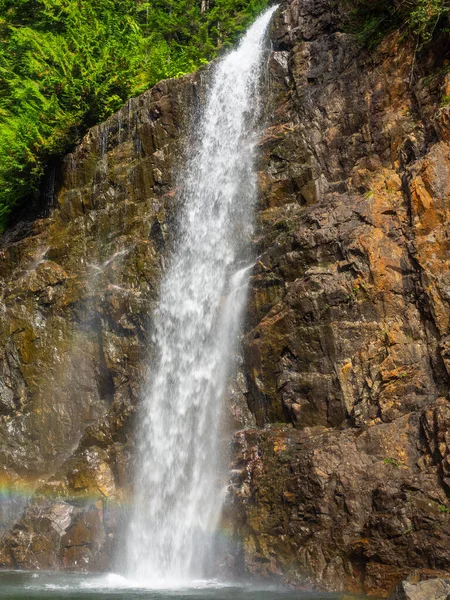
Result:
<point x="179" y="481"/>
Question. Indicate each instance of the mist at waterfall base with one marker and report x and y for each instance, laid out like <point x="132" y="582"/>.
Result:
<point x="25" y="585"/>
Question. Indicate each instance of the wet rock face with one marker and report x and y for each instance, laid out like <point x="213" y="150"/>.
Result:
<point x="78" y="290"/>
<point x="346" y="335"/>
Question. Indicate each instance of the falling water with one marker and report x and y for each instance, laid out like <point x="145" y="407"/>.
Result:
<point x="179" y="487"/>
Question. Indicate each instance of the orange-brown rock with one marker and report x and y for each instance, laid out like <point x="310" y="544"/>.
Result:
<point x="347" y="339"/>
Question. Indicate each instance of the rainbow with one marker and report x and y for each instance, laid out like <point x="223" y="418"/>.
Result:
<point x="36" y="492"/>
<point x="39" y="490"/>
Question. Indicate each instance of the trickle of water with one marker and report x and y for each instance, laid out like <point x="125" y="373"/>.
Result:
<point x="179" y="476"/>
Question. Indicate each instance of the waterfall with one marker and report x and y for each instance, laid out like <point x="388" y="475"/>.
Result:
<point x="179" y="476"/>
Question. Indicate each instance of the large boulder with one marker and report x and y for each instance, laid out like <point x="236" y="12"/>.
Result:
<point x="433" y="589"/>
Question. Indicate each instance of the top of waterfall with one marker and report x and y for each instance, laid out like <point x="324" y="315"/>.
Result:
<point x="258" y="28"/>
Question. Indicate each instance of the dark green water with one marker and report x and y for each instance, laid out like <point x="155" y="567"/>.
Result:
<point x="20" y="585"/>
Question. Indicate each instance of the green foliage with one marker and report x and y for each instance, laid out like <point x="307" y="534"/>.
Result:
<point x="419" y="18"/>
<point x="408" y="531"/>
<point x="68" y="64"/>
<point x="392" y="461"/>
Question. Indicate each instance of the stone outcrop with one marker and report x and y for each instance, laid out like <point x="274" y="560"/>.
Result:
<point x="341" y="475"/>
<point x="434" y="589"/>
<point x="345" y="480"/>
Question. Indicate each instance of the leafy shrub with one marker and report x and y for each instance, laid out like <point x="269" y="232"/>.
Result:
<point x="419" y="18"/>
<point x="66" y="65"/>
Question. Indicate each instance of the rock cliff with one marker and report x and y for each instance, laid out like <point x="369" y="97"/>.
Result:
<point x="78" y="288"/>
<point x="346" y="478"/>
<point x="341" y="477"/>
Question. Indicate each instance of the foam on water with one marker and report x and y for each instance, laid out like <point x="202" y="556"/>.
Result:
<point x="45" y="585"/>
<point x="116" y="581"/>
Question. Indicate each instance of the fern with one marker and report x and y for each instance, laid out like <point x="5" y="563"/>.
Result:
<point x="66" y="65"/>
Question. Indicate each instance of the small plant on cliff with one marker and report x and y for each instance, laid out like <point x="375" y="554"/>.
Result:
<point x="65" y="65"/>
<point x="408" y="531"/>
<point x="420" y="19"/>
<point x="392" y="461"/>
